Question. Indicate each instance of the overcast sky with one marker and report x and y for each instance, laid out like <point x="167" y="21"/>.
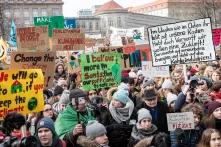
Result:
<point x="71" y="7"/>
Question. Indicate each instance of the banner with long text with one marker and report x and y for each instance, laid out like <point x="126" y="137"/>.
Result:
<point x="100" y="70"/>
<point x="32" y="38"/>
<point x="68" y="39"/>
<point x="38" y="60"/>
<point x="21" y="91"/>
<point x="181" y="43"/>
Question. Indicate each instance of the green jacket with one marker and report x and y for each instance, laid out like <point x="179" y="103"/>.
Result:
<point x="67" y="120"/>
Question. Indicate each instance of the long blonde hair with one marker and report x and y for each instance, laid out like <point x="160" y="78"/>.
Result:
<point x="206" y="137"/>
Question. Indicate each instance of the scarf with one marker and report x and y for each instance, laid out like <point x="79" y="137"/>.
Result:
<point x="138" y="133"/>
<point x="122" y="114"/>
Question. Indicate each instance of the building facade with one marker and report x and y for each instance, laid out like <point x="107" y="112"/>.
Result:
<point x="24" y="11"/>
<point x="183" y="9"/>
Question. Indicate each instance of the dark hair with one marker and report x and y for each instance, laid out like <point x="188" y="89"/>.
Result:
<point x="161" y="140"/>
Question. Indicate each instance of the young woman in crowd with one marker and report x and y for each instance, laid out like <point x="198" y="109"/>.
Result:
<point x="60" y="72"/>
<point x="216" y="76"/>
<point x="210" y="138"/>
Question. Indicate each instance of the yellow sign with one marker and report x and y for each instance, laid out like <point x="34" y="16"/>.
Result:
<point x="21" y="90"/>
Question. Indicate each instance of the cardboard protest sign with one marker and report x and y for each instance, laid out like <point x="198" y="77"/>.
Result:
<point x="51" y="21"/>
<point x="216" y="36"/>
<point x="182" y="120"/>
<point x="21" y="91"/>
<point x="68" y="40"/>
<point x="32" y="38"/>
<point x="181" y="43"/>
<point x="70" y="23"/>
<point x="100" y="70"/>
<point x="38" y="60"/>
<point x="149" y="71"/>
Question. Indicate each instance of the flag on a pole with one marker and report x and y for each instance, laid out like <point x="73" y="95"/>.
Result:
<point x="12" y="38"/>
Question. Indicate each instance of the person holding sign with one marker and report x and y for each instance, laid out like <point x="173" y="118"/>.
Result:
<point x="70" y="123"/>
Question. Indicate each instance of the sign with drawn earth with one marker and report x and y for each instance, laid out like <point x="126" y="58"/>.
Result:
<point x="100" y="70"/>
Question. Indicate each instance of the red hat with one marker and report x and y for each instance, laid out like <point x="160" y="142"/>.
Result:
<point x="212" y="106"/>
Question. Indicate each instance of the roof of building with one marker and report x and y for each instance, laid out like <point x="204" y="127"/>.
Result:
<point x="111" y="5"/>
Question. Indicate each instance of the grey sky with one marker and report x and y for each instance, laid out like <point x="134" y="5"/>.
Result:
<point x="71" y="7"/>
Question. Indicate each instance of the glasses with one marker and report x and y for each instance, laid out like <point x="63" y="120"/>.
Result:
<point x="49" y="109"/>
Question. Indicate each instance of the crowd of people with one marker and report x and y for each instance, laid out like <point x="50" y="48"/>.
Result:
<point x="133" y="114"/>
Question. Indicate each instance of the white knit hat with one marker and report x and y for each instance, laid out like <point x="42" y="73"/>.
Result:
<point x="133" y="75"/>
<point x="167" y="84"/>
<point x="143" y="113"/>
<point x="170" y="98"/>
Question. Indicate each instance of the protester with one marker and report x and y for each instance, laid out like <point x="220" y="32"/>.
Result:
<point x="157" y="109"/>
<point x="58" y="90"/>
<point x="215" y="94"/>
<point x="60" y="72"/>
<point x="143" y="128"/>
<point x="120" y="127"/>
<point x="62" y="103"/>
<point x="71" y="122"/>
<point x="46" y="134"/>
<point x="210" y="138"/>
<point x="208" y="72"/>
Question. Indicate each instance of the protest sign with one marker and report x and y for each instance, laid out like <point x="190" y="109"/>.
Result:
<point x="182" y="120"/>
<point x="32" y="38"/>
<point x="128" y="49"/>
<point x="51" y="21"/>
<point x="149" y="71"/>
<point x="216" y="36"/>
<point x="68" y="40"/>
<point x="181" y="43"/>
<point x="100" y="70"/>
<point x="3" y="47"/>
<point x="37" y="60"/>
<point x="21" y="91"/>
<point x="70" y="23"/>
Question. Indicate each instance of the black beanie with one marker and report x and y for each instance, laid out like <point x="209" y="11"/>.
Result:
<point x="75" y="93"/>
<point x="58" y="90"/>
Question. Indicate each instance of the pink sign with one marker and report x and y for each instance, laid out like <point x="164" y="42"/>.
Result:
<point x="216" y="36"/>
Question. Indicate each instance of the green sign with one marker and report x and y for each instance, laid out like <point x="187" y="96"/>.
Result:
<point x="100" y="70"/>
<point x="51" y="21"/>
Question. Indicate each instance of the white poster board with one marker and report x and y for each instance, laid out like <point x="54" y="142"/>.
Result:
<point x="181" y="43"/>
<point x="149" y="71"/>
<point x="183" y="120"/>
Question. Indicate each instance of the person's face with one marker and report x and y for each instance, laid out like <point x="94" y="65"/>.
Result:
<point x="45" y="136"/>
<point x="60" y="69"/>
<point x="217" y="113"/>
<point x="81" y="103"/>
<point x="102" y="139"/>
<point x="215" y="76"/>
<point x="151" y="102"/>
<point x="146" y="123"/>
<point x="210" y="71"/>
<point x="215" y="140"/>
<point x="177" y="76"/>
<point x="117" y="104"/>
<point x="62" y="106"/>
<point x="196" y="119"/>
<point x="91" y="94"/>
<point x="203" y="86"/>
<point x="48" y="112"/>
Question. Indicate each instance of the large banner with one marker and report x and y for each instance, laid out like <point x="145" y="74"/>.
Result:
<point x="181" y="43"/>
<point x="32" y="38"/>
<point x="38" y="60"/>
<point x="120" y="37"/>
<point x="51" y="21"/>
<point x="100" y="70"/>
<point x="21" y="91"/>
<point x="68" y="40"/>
<point x="149" y="71"/>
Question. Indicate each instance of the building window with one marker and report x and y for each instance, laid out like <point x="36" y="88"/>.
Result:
<point x="83" y="24"/>
<point x="27" y="22"/>
<point x="7" y="13"/>
<point x="16" y="13"/>
<point x="35" y="12"/>
<point x="44" y="12"/>
<point x="96" y="26"/>
<point x="119" y="22"/>
<point x="110" y="22"/>
<point x="90" y="26"/>
<point x="26" y="12"/>
<point x="55" y="11"/>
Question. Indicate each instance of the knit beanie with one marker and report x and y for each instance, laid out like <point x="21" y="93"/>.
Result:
<point x="123" y="86"/>
<point x="212" y="106"/>
<point x="171" y="98"/>
<point x="143" y="113"/>
<point x="147" y="82"/>
<point x="58" y="90"/>
<point x="167" y="84"/>
<point x="64" y="99"/>
<point x="121" y="95"/>
<point x="95" y="129"/>
<point x="133" y="75"/>
<point x="46" y="122"/>
<point x="209" y="82"/>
